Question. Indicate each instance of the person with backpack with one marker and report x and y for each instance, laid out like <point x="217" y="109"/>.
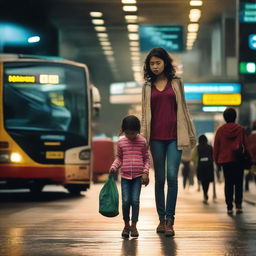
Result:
<point x="202" y="157"/>
<point x="228" y="139"/>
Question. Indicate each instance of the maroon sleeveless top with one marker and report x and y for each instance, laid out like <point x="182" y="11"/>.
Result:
<point x="163" y="113"/>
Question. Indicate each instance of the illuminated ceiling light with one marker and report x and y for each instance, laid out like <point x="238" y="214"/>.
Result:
<point x="97" y="21"/>
<point x="131" y="18"/>
<point x="192" y="35"/>
<point x="105" y="43"/>
<point x="135" y="53"/>
<point x="107" y="47"/>
<point x="134" y="49"/>
<point x="137" y="76"/>
<point x="130" y="8"/>
<point x="191" y="39"/>
<point x="196" y="3"/>
<point x="135" y="58"/>
<point x="102" y="35"/>
<point x="136" y="63"/>
<point x="133" y="27"/>
<point x="133" y="36"/>
<point x="189" y="45"/>
<point x="193" y="19"/>
<point x="96" y="14"/>
<point x="134" y="43"/>
<point x="110" y="58"/>
<point x="136" y="68"/>
<point x="194" y="15"/>
<point x="193" y="27"/>
<point x="103" y="39"/>
<point x="33" y="39"/>
<point x="129" y="1"/>
<point x="190" y="42"/>
<point x="108" y="52"/>
<point x="100" y="28"/>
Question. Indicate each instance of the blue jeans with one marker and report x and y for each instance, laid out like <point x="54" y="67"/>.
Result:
<point x="131" y="198"/>
<point x="161" y="151"/>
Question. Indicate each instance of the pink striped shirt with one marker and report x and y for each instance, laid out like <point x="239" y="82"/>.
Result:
<point x="132" y="156"/>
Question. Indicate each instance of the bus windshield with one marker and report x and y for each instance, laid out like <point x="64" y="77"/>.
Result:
<point x="45" y="96"/>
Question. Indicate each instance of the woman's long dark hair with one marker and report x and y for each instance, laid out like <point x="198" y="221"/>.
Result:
<point x="169" y="69"/>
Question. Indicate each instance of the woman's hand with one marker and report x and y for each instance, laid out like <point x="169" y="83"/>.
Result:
<point x="145" y="179"/>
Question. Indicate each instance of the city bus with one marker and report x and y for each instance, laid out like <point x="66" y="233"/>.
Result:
<point x="45" y="123"/>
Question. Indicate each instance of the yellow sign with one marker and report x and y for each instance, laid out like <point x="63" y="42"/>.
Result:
<point x="220" y="99"/>
<point x="54" y="154"/>
<point x="52" y="143"/>
<point x="21" y="79"/>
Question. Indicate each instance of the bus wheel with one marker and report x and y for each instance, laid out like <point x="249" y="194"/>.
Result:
<point x="73" y="190"/>
<point x="36" y="188"/>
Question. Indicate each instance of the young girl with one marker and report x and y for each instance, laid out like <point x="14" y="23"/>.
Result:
<point x="133" y="159"/>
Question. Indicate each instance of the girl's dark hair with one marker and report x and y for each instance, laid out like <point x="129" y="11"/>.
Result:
<point x="229" y="115"/>
<point x="169" y="69"/>
<point x="202" y="139"/>
<point x="131" y="123"/>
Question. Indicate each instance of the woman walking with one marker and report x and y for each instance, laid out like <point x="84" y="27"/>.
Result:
<point x="167" y="126"/>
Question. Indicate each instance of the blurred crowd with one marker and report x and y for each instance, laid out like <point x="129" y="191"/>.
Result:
<point x="206" y="172"/>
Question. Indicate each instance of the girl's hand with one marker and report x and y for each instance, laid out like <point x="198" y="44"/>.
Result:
<point x="112" y="170"/>
<point x="145" y="179"/>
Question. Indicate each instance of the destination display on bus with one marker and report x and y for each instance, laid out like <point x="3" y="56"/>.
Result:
<point x="41" y="79"/>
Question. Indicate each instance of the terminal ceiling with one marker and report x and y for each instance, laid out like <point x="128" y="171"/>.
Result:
<point x="78" y="39"/>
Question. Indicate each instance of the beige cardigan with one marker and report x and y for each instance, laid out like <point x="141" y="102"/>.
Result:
<point x="186" y="137"/>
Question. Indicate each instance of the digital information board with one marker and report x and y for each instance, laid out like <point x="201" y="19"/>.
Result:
<point x="247" y="40"/>
<point x="165" y="36"/>
<point x="194" y="92"/>
<point x="125" y="92"/>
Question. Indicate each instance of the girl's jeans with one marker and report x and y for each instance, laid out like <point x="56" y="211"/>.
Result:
<point x="131" y="198"/>
<point x="161" y="151"/>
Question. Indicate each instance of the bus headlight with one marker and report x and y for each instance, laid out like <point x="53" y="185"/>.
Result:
<point x="15" y="157"/>
<point x="84" y="155"/>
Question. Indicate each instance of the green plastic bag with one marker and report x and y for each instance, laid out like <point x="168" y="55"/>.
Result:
<point x="109" y="198"/>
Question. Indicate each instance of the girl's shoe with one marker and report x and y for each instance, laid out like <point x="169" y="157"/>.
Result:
<point x="126" y="232"/>
<point x="134" y="232"/>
